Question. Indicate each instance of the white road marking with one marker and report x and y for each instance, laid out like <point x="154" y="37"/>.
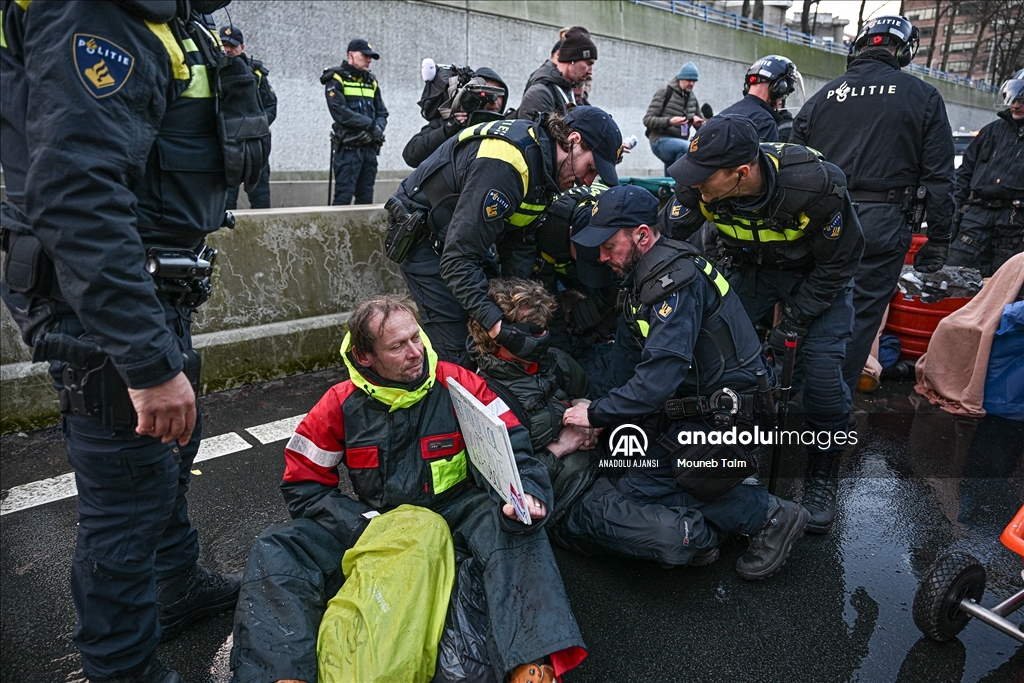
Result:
<point x="39" y="493"/>
<point x="63" y="486"/>
<point x="225" y="444"/>
<point x="276" y="431"/>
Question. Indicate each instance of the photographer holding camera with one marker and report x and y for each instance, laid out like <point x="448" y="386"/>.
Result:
<point x="673" y="112"/>
<point x="453" y="98"/>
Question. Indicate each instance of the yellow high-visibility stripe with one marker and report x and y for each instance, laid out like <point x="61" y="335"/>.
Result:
<point x="179" y="69"/>
<point x="190" y="45"/>
<point x="494" y="148"/>
<point x="199" y="88"/>
<point x="721" y="284"/>
<point x="23" y="4"/>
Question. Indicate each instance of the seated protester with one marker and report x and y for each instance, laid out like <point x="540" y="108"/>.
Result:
<point x="392" y="425"/>
<point x="590" y="515"/>
<point x="696" y="382"/>
<point x="446" y="112"/>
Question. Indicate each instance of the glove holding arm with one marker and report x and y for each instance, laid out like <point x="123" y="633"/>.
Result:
<point x="777" y="337"/>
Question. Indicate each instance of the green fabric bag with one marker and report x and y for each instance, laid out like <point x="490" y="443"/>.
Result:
<point x="386" y="621"/>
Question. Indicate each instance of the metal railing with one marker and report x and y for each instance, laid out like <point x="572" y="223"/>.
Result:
<point x="741" y="23"/>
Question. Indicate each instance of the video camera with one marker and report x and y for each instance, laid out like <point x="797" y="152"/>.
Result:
<point x="449" y="88"/>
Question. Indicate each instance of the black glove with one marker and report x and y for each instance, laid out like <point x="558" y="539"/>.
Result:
<point x="777" y="337"/>
<point x="377" y="134"/>
<point x="932" y="256"/>
<point x="360" y="139"/>
<point x="528" y="341"/>
<point x="586" y="313"/>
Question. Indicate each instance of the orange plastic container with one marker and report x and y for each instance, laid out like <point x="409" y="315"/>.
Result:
<point x="914" y="322"/>
<point x="1013" y="535"/>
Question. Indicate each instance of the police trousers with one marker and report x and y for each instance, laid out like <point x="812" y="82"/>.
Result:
<point x="988" y="238"/>
<point x="886" y="242"/>
<point x="294" y="569"/>
<point x="259" y="198"/>
<point x="820" y="355"/>
<point x="355" y="172"/>
<point x="133" y="529"/>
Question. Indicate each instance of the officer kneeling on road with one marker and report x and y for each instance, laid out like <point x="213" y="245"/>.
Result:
<point x="463" y="217"/>
<point x="789" y="234"/>
<point x="698" y="381"/>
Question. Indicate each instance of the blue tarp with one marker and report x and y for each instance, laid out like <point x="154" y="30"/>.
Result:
<point x="1004" y="383"/>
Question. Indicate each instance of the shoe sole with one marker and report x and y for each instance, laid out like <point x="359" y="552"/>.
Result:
<point x="817" y="529"/>
<point x="169" y="630"/>
<point x="796" y="532"/>
<point x="710" y="558"/>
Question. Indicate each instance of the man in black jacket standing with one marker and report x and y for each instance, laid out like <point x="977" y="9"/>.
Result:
<point x="990" y="189"/>
<point x="360" y="117"/>
<point x="234" y="45"/>
<point x="768" y="81"/>
<point x="895" y="138"/>
<point x="549" y="88"/>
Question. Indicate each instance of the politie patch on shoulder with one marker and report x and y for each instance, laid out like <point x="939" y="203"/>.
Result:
<point x="496" y="205"/>
<point x="677" y="210"/>
<point x="835" y="227"/>
<point x="665" y="308"/>
<point x="103" y="66"/>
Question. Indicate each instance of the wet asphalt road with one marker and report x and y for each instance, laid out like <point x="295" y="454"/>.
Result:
<point x="918" y="483"/>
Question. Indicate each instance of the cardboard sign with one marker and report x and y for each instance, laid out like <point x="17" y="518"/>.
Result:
<point x="488" y="446"/>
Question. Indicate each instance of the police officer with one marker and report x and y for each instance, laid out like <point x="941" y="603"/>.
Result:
<point x="895" y="138"/>
<point x="439" y="127"/>
<point x="469" y="206"/>
<point x="769" y="80"/>
<point x="116" y="174"/>
<point x="698" y="374"/>
<point x="234" y="46"/>
<point x="789" y="233"/>
<point x="360" y="117"/>
<point x="990" y="189"/>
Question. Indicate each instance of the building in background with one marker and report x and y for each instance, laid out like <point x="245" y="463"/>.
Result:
<point x="822" y="25"/>
<point x="978" y="39"/>
<point x="769" y="11"/>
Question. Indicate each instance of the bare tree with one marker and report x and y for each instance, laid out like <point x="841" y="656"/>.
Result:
<point x="1008" y="39"/>
<point x="746" y="8"/>
<point x="805" y="16"/>
<point x="982" y="11"/>
<point x="759" y="10"/>
<point x="860" y="16"/>
<point x="954" y="8"/>
<point x="940" y="11"/>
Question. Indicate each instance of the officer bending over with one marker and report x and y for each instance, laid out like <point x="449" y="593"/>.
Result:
<point x="990" y="189"/>
<point x="895" y="139"/>
<point x="768" y="82"/>
<point x="698" y="374"/>
<point x="393" y="428"/>
<point x="789" y="234"/>
<point x="115" y="174"/>
<point x="463" y="216"/>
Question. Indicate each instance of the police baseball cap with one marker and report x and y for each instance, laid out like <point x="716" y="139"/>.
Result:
<point x="724" y="141"/>
<point x="624" y="206"/>
<point x="231" y="35"/>
<point x="360" y="45"/>
<point x="602" y="135"/>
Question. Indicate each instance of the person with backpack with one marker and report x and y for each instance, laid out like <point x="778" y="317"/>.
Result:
<point x="550" y="88"/>
<point x="674" y="109"/>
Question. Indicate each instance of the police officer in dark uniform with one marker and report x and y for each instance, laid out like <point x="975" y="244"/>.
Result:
<point x="990" y="189"/>
<point x="360" y="117"/>
<point x="788" y="232"/>
<point x="469" y="207"/>
<point x="699" y="373"/>
<point x="768" y="80"/>
<point x="234" y="45"/>
<point x="116" y="174"/>
<point x="894" y="138"/>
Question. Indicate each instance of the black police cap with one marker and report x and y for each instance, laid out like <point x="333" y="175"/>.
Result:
<point x="725" y="141"/>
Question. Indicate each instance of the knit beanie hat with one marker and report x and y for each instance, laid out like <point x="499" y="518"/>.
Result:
<point x="577" y="46"/>
<point x="688" y="72"/>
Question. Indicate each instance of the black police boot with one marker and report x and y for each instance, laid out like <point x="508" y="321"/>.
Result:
<point x="703" y="558"/>
<point x="820" y="482"/>
<point x="155" y="672"/>
<point x="194" y="593"/>
<point x="770" y="546"/>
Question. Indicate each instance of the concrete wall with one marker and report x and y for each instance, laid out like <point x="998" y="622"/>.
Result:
<point x="640" y="48"/>
<point x="284" y="284"/>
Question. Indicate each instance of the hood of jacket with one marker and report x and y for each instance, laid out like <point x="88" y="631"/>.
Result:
<point x="492" y="75"/>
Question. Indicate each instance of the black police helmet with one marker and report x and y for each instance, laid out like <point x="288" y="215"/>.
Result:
<point x="888" y="30"/>
<point x="779" y="72"/>
<point x="1012" y="89"/>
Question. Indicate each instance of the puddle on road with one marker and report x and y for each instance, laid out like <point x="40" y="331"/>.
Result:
<point x="917" y="486"/>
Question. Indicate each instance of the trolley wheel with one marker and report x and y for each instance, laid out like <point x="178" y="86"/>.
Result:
<point x="936" y="606"/>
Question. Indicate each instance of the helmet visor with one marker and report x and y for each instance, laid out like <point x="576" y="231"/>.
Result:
<point x="1012" y="90"/>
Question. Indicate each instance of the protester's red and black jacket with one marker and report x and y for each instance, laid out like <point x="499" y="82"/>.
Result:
<point x="407" y="455"/>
